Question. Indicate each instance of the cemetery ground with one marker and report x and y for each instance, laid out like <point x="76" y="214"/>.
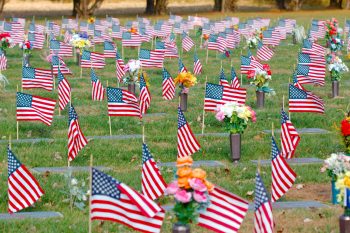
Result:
<point x="124" y="156"/>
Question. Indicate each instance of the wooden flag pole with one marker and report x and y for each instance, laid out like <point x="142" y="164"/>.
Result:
<point x="272" y="130"/>
<point x="221" y="64"/>
<point x="109" y="119"/>
<point x="81" y="71"/>
<point x="90" y="188"/>
<point x="283" y="103"/>
<point x="143" y="131"/>
<point x="17" y="123"/>
<point x="241" y="72"/>
<point x="344" y="33"/>
<point x="10" y="142"/>
<point x="206" y="59"/>
<point x="203" y="116"/>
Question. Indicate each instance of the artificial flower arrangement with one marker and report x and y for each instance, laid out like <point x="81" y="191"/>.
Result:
<point x="236" y="116"/>
<point x="26" y="46"/>
<point x="331" y="28"/>
<point x="189" y="190"/>
<point x="254" y="38"/>
<point x="91" y="20"/>
<point x="298" y="34"/>
<point x="5" y="41"/>
<point x="133" y="30"/>
<point x="261" y="79"/>
<point x="336" y="67"/>
<point x="80" y="41"/>
<point x="336" y="165"/>
<point x="185" y="81"/>
<point x="132" y="69"/>
<point x="333" y="35"/>
<point x="345" y="132"/>
<point x="205" y="42"/>
<point x="343" y="182"/>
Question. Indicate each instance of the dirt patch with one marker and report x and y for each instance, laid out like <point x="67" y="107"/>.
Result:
<point x="317" y="192"/>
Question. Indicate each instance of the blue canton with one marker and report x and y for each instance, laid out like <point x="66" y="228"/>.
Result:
<point x="261" y="195"/>
<point x="146" y="154"/>
<point x="103" y="184"/>
<point x="72" y="114"/>
<point x="302" y="70"/>
<point x="115" y="28"/>
<point x="32" y="27"/>
<point x="222" y="74"/>
<point x="213" y="38"/>
<point x="24" y="100"/>
<point x="86" y="55"/>
<point x="274" y="149"/>
<point x="97" y="33"/>
<point x="114" y="95"/>
<point x="145" y="54"/>
<point x="304" y="58"/>
<point x="233" y="73"/>
<point x="214" y="91"/>
<point x="160" y="45"/>
<point x="126" y="35"/>
<point x="13" y="162"/>
<point x="284" y="117"/>
<point x="166" y="74"/>
<point x="31" y="36"/>
<point x="307" y="44"/>
<point x="108" y="45"/>
<point x="245" y="61"/>
<point x="28" y="72"/>
<point x="267" y="34"/>
<point x="54" y="44"/>
<point x="60" y="76"/>
<point x="142" y="82"/>
<point x="181" y="119"/>
<point x="296" y="93"/>
<point x="93" y="76"/>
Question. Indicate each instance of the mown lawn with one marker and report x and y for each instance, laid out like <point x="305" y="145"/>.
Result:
<point x="124" y="156"/>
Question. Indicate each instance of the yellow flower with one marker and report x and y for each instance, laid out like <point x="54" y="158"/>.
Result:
<point x="91" y="20"/>
<point x="184" y="161"/>
<point x="349" y="55"/>
<point x="184" y="172"/>
<point x="199" y="173"/>
<point x="186" y="79"/>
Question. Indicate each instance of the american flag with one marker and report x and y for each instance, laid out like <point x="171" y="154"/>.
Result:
<point x="298" y="85"/>
<point x="3" y="60"/>
<point x="311" y="74"/>
<point x="60" y="48"/>
<point x="217" y="43"/>
<point x="313" y="48"/>
<point x="219" y="95"/>
<point x="197" y="66"/>
<point x="301" y="101"/>
<point x="76" y="138"/>
<point x="92" y="60"/>
<point x="145" y="96"/>
<point x="169" y="48"/>
<point x="312" y="60"/>
<point x="232" y="38"/>
<point x="234" y="79"/>
<point x="187" y="42"/>
<point x="348" y="48"/>
<point x="223" y="80"/>
<point x="263" y="219"/>
<point x="117" y="31"/>
<point x="153" y="184"/>
<point x="36" y="40"/>
<point x="97" y="38"/>
<point x="225" y="212"/>
<point x="21" y="21"/>
<point x="64" y="91"/>
<point x="23" y="189"/>
<point x="263" y="52"/>
<point x="97" y="92"/>
<point x="249" y="63"/>
<point x="270" y="38"/>
<point x="58" y="63"/>
<point x="54" y="28"/>
<point x="182" y="68"/>
<point x="68" y="24"/>
<point x="35" y="108"/>
<point x="145" y="36"/>
<point x="16" y="31"/>
<point x="36" y="78"/>
<point x="122" y="103"/>
<point x="162" y="29"/>
<point x="109" y="49"/>
<point x="67" y="37"/>
<point x="131" y="40"/>
<point x="289" y="136"/>
<point x="283" y="177"/>
<point x="83" y="26"/>
<point x="119" y="63"/>
<point x="114" y="201"/>
<point x="168" y="86"/>
<point x="151" y="58"/>
<point x="36" y="28"/>
<point x="187" y="144"/>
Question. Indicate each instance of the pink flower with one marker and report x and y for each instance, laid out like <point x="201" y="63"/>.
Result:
<point x="183" y="196"/>
<point x="172" y="188"/>
<point x="185" y="90"/>
<point x="197" y="185"/>
<point x="199" y="197"/>
<point x="220" y="116"/>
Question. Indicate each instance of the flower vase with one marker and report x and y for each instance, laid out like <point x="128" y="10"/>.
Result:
<point x="260" y="99"/>
<point x="26" y="57"/>
<point x="183" y="102"/>
<point x="181" y="228"/>
<point x="78" y="57"/>
<point x="294" y="38"/>
<point x="235" y="145"/>
<point x="344" y="224"/>
<point x="335" y="193"/>
<point x="335" y="88"/>
<point x="131" y="88"/>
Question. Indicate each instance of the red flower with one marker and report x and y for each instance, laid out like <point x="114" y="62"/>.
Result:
<point x="251" y="73"/>
<point x="266" y="67"/>
<point x="345" y="127"/>
<point x="5" y="34"/>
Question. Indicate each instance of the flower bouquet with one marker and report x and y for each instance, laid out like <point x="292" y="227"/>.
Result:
<point x="190" y="192"/>
<point x="132" y="69"/>
<point x="345" y="133"/>
<point x="27" y="48"/>
<point x="298" y="34"/>
<point x="80" y="42"/>
<point x="185" y="81"/>
<point x="5" y="41"/>
<point x="236" y="117"/>
<point x="331" y="28"/>
<point x="261" y="78"/>
<point x="343" y="186"/>
<point x="336" y="67"/>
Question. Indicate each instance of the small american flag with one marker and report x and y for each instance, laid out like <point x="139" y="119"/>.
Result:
<point x="248" y="63"/>
<point x="182" y="68"/>
<point x="219" y="95"/>
<point x="58" y="63"/>
<point x="3" y="60"/>
<point x="122" y="103"/>
<point x="151" y="58"/>
<point x="36" y="40"/>
<point x="16" y="31"/>
<point x="187" y="42"/>
<point x="119" y="63"/>
<point x="153" y="184"/>
<point x="197" y="66"/>
<point x="234" y="79"/>
<point x="187" y="144"/>
<point x="97" y="92"/>
<point x="52" y="27"/>
<point x="67" y="37"/>
<point x="35" y="108"/>
<point x="289" y="136"/>
<point x="298" y="85"/>
<point x="36" y="78"/>
<point x="109" y="49"/>
<point x="223" y="80"/>
<point x="283" y="177"/>
<point x="92" y="60"/>
<point x="270" y="37"/>
<point x="311" y="74"/>
<point x="97" y="38"/>
<point x="310" y="47"/>
<point x="60" y="48"/>
<point x="301" y="101"/>
<point x="23" y="189"/>
<point x="76" y="138"/>
<point x="312" y="60"/>
<point x="263" y="52"/>
<point x="131" y="40"/>
<point x="225" y="212"/>
<point x="169" y="49"/>
<point x="263" y="218"/>
<point x="36" y="28"/>
<point x="64" y="91"/>
<point x="145" y="96"/>
<point x="114" y="201"/>
<point x="168" y="86"/>
<point x="117" y="31"/>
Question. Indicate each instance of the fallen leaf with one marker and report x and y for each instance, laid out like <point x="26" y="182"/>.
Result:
<point x="250" y="193"/>
<point x="306" y="220"/>
<point x="299" y="186"/>
<point x="133" y="158"/>
<point x="280" y="231"/>
<point x="57" y="156"/>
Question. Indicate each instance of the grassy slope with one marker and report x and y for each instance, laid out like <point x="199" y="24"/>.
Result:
<point x="125" y="156"/>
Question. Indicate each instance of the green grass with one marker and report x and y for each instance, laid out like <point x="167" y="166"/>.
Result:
<point x="124" y="157"/>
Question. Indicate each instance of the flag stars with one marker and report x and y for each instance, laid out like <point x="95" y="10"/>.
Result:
<point x="146" y="154"/>
<point x="103" y="184"/>
<point x="114" y="94"/>
<point x="260" y="193"/>
<point x="13" y="163"/>
<point x="24" y="100"/>
<point x="296" y="93"/>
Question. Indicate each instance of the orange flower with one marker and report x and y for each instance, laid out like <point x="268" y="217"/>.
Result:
<point x="186" y="78"/>
<point x="133" y="30"/>
<point x="183" y="182"/>
<point x="205" y="37"/>
<point x="184" y="161"/>
<point x="210" y="186"/>
<point x="184" y="172"/>
<point x="199" y="173"/>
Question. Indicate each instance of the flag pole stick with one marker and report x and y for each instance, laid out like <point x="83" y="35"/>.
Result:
<point x="10" y="142"/>
<point x="90" y="188"/>
<point x="221" y="64"/>
<point x="283" y="103"/>
<point x="272" y="130"/>
<point x="203" y="116"/>
<point x="122" y="51"/>
<point x="109" y="119"/>
<point x="241" y="72"/>
<point x="70" y="105"/>
<point x="143" y="131"/>
<point x="81" y="71"/>
<point x="206" y="59"/>
<point x="17" y="123"/>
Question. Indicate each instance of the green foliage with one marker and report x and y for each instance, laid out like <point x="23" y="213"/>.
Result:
<point x="235" y="124"/>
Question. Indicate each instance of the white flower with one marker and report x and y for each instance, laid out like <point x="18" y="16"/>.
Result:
<point x="74" y="182"/>
<point x="20" y="45"/>
<point x="134" y="65"/>
<point x="84" y="198"/>
<point x="340" y="30"/>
